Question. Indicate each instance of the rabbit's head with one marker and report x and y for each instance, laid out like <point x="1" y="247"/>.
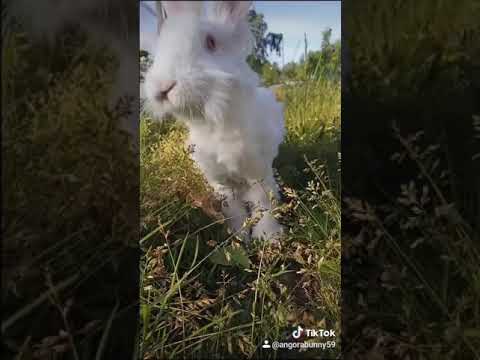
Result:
<point x="200" y="59"/>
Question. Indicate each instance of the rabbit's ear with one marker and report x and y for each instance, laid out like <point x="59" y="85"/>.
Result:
<point x="232" y="11"/>
<point x="174" y="8"/>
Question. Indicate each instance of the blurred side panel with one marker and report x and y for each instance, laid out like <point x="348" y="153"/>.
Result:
<point x="411" y="179"/>
<point x="70" y="179"/>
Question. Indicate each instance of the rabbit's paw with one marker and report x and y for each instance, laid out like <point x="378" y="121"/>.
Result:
<point x="268" y="228"/>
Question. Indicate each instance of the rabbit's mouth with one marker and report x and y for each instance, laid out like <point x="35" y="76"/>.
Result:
<point x="186" y="104"/>
<point x="199" y="96"/>
<point x="178" y="101"/>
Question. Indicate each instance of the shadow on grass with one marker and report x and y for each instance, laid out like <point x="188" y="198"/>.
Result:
<point x="291" y="162"/>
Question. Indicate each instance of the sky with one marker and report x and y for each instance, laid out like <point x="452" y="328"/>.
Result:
<point x="292" y="18"/>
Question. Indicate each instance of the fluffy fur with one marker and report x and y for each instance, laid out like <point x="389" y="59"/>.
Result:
<point x="234" y="125"/>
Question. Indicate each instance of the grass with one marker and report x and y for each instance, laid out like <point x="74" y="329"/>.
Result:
<point x="204" y="293"/>
<point x="416" y="47"/>
<point x="426" y="253"/>
<point x="69" y="188"/>
<point x="411" y="228"/>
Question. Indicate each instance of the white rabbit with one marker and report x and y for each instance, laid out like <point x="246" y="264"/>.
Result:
<point x="200" y="75"/>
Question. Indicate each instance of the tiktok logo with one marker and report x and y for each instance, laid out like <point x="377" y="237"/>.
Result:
<point x="297" y="333"/>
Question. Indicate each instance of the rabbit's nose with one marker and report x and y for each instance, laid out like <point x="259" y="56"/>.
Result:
<point x="165" y="87"/>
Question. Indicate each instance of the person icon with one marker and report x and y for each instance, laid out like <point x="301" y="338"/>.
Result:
<point x="266" y="345"/>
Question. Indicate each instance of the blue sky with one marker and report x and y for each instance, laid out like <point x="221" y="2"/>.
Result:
<point x="292" y="18"/>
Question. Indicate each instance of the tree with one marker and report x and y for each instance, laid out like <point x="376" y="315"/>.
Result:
<point x="270" y="74"/>
<point x="329" y="57"/>
<point x="325" y="62"/>
<point x="289" y="71"/>
<point x="265" y="43"/>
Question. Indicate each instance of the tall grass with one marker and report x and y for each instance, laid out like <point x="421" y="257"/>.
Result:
<point x="412" y="248"/>
<point x="404" y="45"/>
<point x="432" y="256"/>
<point x="64" y="165"/>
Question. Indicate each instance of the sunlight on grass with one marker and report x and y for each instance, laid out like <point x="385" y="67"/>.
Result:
<point x="196" y="300"/>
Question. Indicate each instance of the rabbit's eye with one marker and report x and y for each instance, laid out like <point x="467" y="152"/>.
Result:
<point x="210" y="43"/>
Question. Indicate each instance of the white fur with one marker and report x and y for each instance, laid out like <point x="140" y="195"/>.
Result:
<point x="234" y="125"/>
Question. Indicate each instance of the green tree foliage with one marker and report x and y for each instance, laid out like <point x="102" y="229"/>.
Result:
<point x="270" y="74"/>
<point x="325" y="62"/>
<point x="289" y="70"/>
<point x="265" y="43"/>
